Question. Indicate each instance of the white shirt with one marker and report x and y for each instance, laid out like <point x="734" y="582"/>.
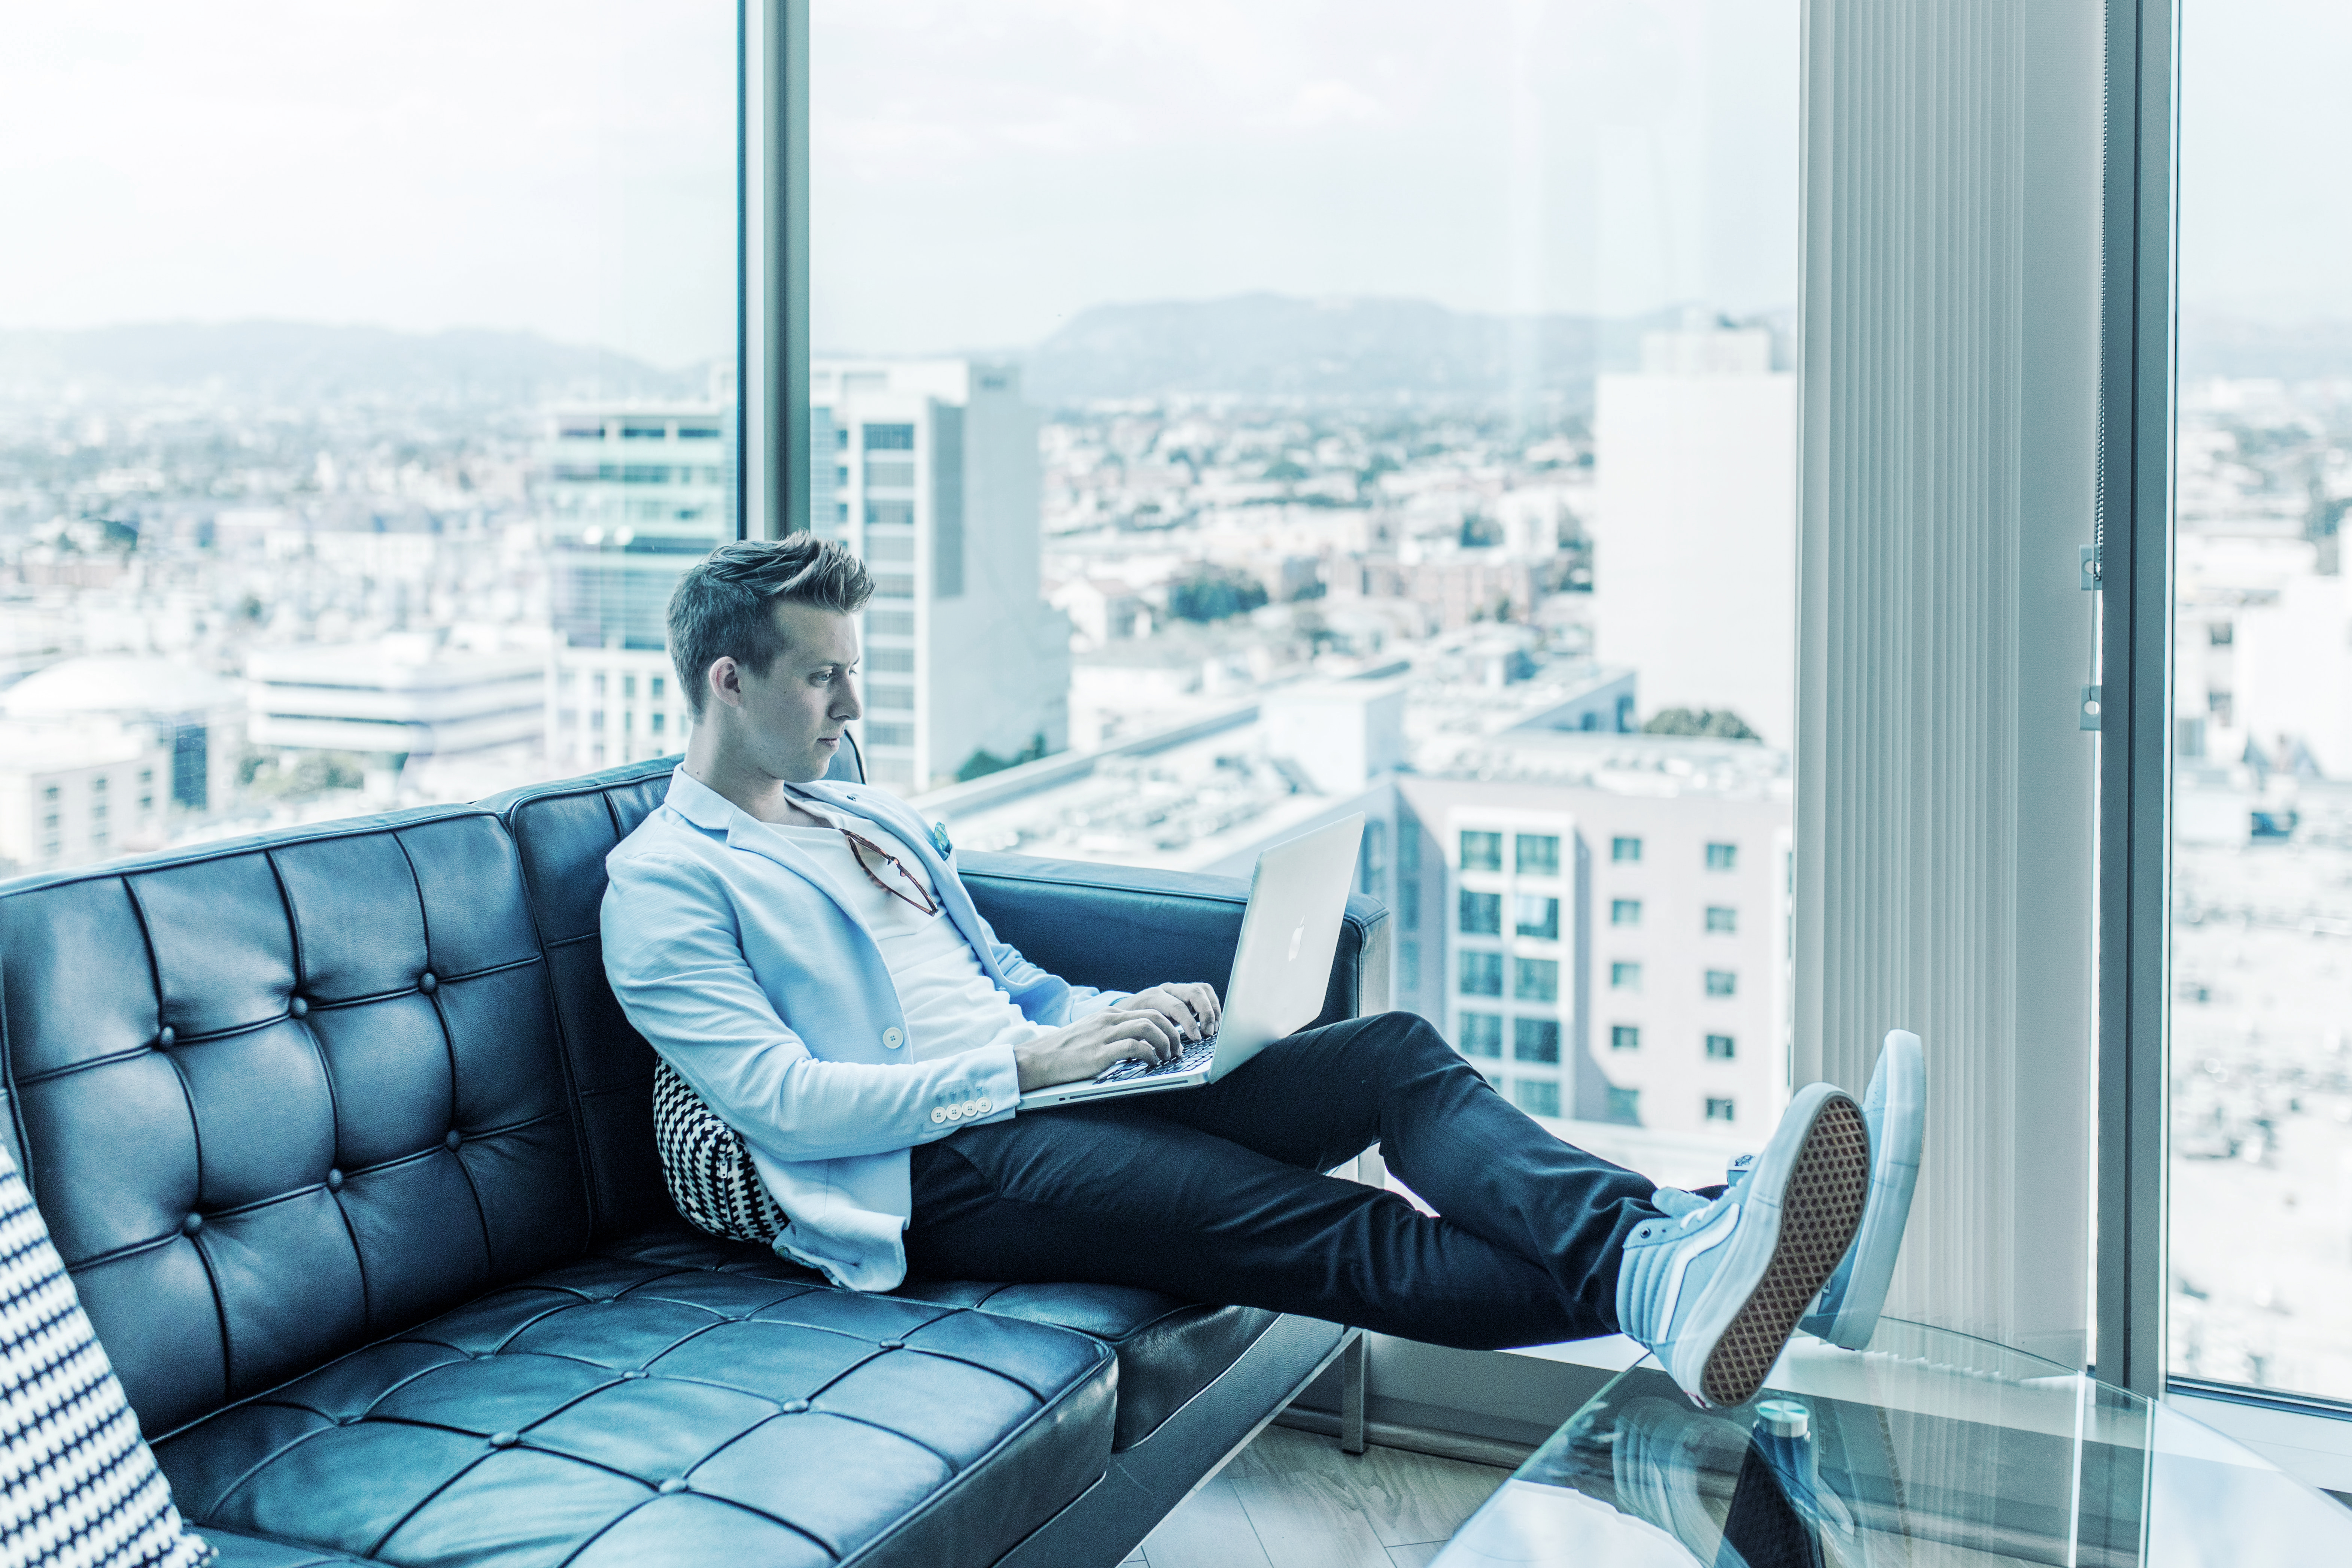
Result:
<point x="951" y="1004"/>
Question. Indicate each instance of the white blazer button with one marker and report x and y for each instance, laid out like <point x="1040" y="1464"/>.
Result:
<point x="939" y="1118"/>
<point x="955" y="1113"/>
<point x="893" y="1037"/>
<point x="984" y="1106"/>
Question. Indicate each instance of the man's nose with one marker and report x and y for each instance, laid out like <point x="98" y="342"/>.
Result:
<point x="845" y="704"/>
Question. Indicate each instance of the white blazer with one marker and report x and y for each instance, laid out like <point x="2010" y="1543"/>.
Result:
<point x="737" y="954"/>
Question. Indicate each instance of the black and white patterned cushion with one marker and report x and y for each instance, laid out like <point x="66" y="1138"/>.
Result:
<point x="706" y="1166"/>
<point x="78" y="1486"/>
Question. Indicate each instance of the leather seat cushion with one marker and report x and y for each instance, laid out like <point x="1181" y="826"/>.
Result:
<point x="1169" y="1349"/>
<point x="623" y="1410"/>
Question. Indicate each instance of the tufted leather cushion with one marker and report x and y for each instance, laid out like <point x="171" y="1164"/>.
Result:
<point x="280" y="1099"/>
<point x="1169" y="1350"/>
<point x="618" y="1411"/>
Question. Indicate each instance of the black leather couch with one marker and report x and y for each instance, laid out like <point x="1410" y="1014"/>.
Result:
<point x="349" y="1150"/>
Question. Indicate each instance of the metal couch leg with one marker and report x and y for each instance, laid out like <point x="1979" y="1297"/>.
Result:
<point x="1354" y="1360"/>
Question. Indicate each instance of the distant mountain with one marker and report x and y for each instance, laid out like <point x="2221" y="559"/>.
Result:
<point x="2216" y="344"/>
<point x="1274" y="345"/>
<point x="303" y="362"/>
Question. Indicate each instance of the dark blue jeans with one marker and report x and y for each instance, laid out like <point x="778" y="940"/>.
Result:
<point x="1216" y="1195"/>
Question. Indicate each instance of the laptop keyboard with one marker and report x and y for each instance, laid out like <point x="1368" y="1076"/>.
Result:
<point x="1195" y="1055"/>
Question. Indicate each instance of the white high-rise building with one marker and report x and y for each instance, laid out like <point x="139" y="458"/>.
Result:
<point x="1694" y="537"/>
<point x="934" y="482"/>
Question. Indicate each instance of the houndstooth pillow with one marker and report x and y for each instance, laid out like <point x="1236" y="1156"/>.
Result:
<point x="707" y="1168"/>
<point x="77" y="1487"/>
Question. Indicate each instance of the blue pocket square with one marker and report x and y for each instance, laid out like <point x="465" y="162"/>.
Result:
<point x="939" y="840"/>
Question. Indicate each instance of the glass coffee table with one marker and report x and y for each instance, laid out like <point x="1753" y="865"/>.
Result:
<point x="1928" y="1447"/>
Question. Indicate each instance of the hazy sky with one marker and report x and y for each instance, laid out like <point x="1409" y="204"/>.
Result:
<point x="985" y="168"/>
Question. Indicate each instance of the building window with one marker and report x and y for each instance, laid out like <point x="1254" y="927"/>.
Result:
<point x="49" y="822"/>
<point x="1625" y="851"/>
<point x="1409" y="965"/>
<point x="1482" y="973"/>
<point x="1538" y="917"/>
<point x="1482" y="1034"/>
<point x="1624" y="1106"/>
<point x="1482" y="852"/>
<point x="890" y="624"/>
<point x="50" y="793"/>
<point x="1721" y="983"/>
<point x="1719" y="1049"/>
<point x="893" y="585"/>
<point x="656" y="723"/>
<point x="889" y="437"/>
<point x="1535" y="979"/>
<point x="655" y="685"/>
<point x="891" y="514"/>
<point x="1482" y="913"/>
<point x="146" y="803"/>
<point x="897" y="475"/>
<point x="1722" y="857"/>
<point x="97" y="784"/>
<point x="596" y="719"/>
<point x="1624" y="911"/>
<point x="890" y="547"/>
<point x="1535" y="1039"/>
<point x="1625" y="1037"/>
<point x="893" y="697"/>
<point x="890" y="734"/>
<point x="146" y="777"/>
<point x="1538" y="854"/>
<point x="629" y="687"/>
<point x="890" y="660"/>
<point x="1624" y="977"/>
<point x="1722" y="920"/>
<point x="1537" y="1096"/>
<point x="1718" y="1110"/>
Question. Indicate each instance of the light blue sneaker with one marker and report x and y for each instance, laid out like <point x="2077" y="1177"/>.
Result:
<point x="1896" y="1108"/>
<point x="1714" y="1289"/>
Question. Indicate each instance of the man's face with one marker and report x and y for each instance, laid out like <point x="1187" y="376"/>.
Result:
<point x="789" y="718"/>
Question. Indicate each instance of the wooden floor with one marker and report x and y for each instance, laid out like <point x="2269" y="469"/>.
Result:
<point x="1291" y="1500"/>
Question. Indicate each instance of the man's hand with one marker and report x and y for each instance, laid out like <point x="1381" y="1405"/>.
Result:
<point x="1151" y="1026"/>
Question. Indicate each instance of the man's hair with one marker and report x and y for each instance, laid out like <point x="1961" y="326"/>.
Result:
<point x="725" y="605"/>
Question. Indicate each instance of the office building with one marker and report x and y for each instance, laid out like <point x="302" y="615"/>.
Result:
<point x="934" y="482"/>
<point x="1695" y="540"/>
<point x="404" y="695"/>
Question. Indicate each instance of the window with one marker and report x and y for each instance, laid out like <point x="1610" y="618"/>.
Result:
<point x="654" y="687"/>
<point x="1721" y="983"/>
<point x="1535" y="1039"/>
<point x="1722" y="857"/>
<point x="890" y="660"/>
<point x="97" y="784"/>
<point x="890" y="624"/>
<point x="890" y="547"/>
<point x="892" y="696"/>
<point x="891" y="514"/>
<point x="1625" y="851"/>
<point x="1482" y="913"/>
<point x="49" y="793"/>
<point x="1625" y="1037"/>
<point x="1719" y="1049"/>
<point x="1624" y="911"/>
<point x="1535" y="979"/>
<point x="1623" y="976"/>
<point x="1482" y="1034"/>
<point x="655" y="722"/>
<point x="1718" y="1110"/>
<point x="889" y="475"/>
<point x="1537" y="1096"/>
<point x="893" y="585"/>
<point x="1538" y="917"/>
<point x="1721" y="920"/>
<point x="890" y="734"/>
<point x="1481" y="851"/>
<point x="1482" y="973"/>
<point x="1538" y="854"/>
<point x="889" y="437"/>
<point x="1624" y="1106"/>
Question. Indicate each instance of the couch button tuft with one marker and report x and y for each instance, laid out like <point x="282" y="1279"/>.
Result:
<point x="891" y="1344"/>
<point x="334" y="1181"/>
<point x="193" y="1224"/>
<point x="428" y="983"/>
<point x="297" y="1007"/>
<point x="454" y="1138"/>
<point x="633" y="1373"/>
<point x="795" y="1406"/>
<point x="503" y="1440"/>
<point x="674" y="1485"/>
<point x="164" y="1036"/>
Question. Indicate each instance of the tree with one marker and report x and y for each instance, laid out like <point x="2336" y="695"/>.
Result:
<point x="984" y="762"/>
<point x="1215" y="593"/>
<point x="1712" y="723"/>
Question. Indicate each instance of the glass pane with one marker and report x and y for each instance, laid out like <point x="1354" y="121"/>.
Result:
<point x="1328" y="409"/>
<point x="369" y="375"/>
<point x="2261" y="857"/>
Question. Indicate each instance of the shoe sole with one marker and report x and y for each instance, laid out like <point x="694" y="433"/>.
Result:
<point x="1894" y="1172"/>
<point x="1821" y="1208"/>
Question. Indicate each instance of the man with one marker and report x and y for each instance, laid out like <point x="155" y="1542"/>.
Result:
<point x="804" y="954"/>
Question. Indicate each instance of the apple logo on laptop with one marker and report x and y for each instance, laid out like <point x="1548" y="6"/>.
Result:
<point x="1295" y="937"/>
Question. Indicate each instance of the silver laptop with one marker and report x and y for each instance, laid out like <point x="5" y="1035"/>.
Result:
<point x="1281" y="968"/>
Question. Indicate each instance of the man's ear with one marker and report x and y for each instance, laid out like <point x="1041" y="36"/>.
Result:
<point x="723" y="682"/>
